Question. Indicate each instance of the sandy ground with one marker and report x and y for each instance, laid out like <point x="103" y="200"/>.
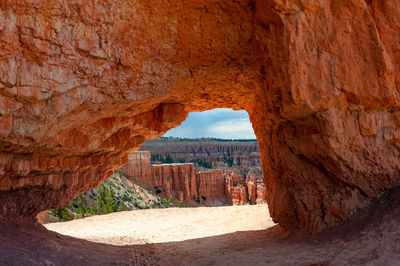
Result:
<point x="240" y="235"/>
<point x="204" y="236"/>
<point x="166" y="225"/>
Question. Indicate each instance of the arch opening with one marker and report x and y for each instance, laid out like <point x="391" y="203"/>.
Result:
<point x="211" y="160"/>
<point x="83" y="84"/>
<point x="68" y="119"/>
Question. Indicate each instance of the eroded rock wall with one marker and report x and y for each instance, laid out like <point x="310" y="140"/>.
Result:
<point x="181" y="182"/>
<point x="174" y="179"/>
<point x="83" y="83"/>
<point x="241" y="156"/>
<point x="335" y="151"/>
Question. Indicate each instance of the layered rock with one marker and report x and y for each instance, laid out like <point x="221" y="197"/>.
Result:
<point x="83" y="83"/>
<point x="261" y="195"/>
<point x="251" y="183"/>
<point x="172" y="176"/>
<point x="239" y="194"/>
<point x="179" y="181"/>
<point x="179" y="178"/>
<point x="252" y="191"/>
<point x="240" y="156"/>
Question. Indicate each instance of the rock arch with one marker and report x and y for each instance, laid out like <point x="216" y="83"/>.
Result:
<point x="83" y="83"/>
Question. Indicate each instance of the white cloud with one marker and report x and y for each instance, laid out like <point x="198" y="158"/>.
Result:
<point x="231" y="129"/>
<point x="217" y="123"/>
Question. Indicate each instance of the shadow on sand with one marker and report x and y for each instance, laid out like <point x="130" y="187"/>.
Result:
<point x="372" y="236"/>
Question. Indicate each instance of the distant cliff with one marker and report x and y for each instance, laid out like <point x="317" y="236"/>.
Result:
<point x="240" y="155"/>
<point x="180" y="182"/>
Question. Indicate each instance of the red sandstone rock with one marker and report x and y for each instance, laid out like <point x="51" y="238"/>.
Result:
<point x="172" y="177"/>
<point x="44" y="218"/>
<point x="261" y="193"/>
<point x="180" y="196"/>
<point x="210" y="183"/>
<point x="83" y="83"/>
<point x="180" y="181"/>
<point x="251" y="183"/>
<point x="239" y="195"/>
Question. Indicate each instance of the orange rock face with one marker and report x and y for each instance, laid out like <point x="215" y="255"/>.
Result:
<point x="177" y="180"/>
<point x="239" y="195"/>
<point x="261" y="193"/>
<point x="83" y="83"/>
<point x="180" y="181"/>
<point x="251" y="183"/>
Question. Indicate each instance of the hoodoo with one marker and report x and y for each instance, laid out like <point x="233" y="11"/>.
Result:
<point x="83" y="83"/>
<point x="179" y="181"/>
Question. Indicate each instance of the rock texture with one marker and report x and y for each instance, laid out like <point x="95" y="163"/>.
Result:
<point x="83" y="83"/>
<point x="176" y="180"/>
<point x="44" y="218"/>
<point x="181" y="182"/>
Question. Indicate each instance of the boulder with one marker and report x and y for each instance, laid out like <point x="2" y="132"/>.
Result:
<point x="44" y="218"/>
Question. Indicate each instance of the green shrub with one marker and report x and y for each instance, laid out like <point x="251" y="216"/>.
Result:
<point x="105" y="200"/>
<point x="122" y="207"/>
<point x="92" y="210"/>
<point x="63" y="213"/>
<point x="229" y="161"/>
<point x="81" y="206"/>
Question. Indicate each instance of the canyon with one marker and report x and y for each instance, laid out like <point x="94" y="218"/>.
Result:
<point x="84" y="83"/>
<point x="242" y="156"/>
<point x="180" y="182"/>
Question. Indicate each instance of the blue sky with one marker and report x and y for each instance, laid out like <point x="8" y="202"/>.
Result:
<point x="217" y="123"/>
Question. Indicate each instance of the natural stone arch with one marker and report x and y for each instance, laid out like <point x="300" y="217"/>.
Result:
<point x="84" y="83"/>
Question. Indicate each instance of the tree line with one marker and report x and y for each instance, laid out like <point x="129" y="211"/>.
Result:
<point x="78" y="208"/>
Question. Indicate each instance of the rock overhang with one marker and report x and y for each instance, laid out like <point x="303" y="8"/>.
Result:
<point x="84" y="84"/>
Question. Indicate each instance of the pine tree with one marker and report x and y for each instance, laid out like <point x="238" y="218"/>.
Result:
<point x="100" y="199"/>
<point x="111" y="205"/>
<point x="81" y="203"/>
<point x="122" y="207"/>
<point x="63" y="213"/>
